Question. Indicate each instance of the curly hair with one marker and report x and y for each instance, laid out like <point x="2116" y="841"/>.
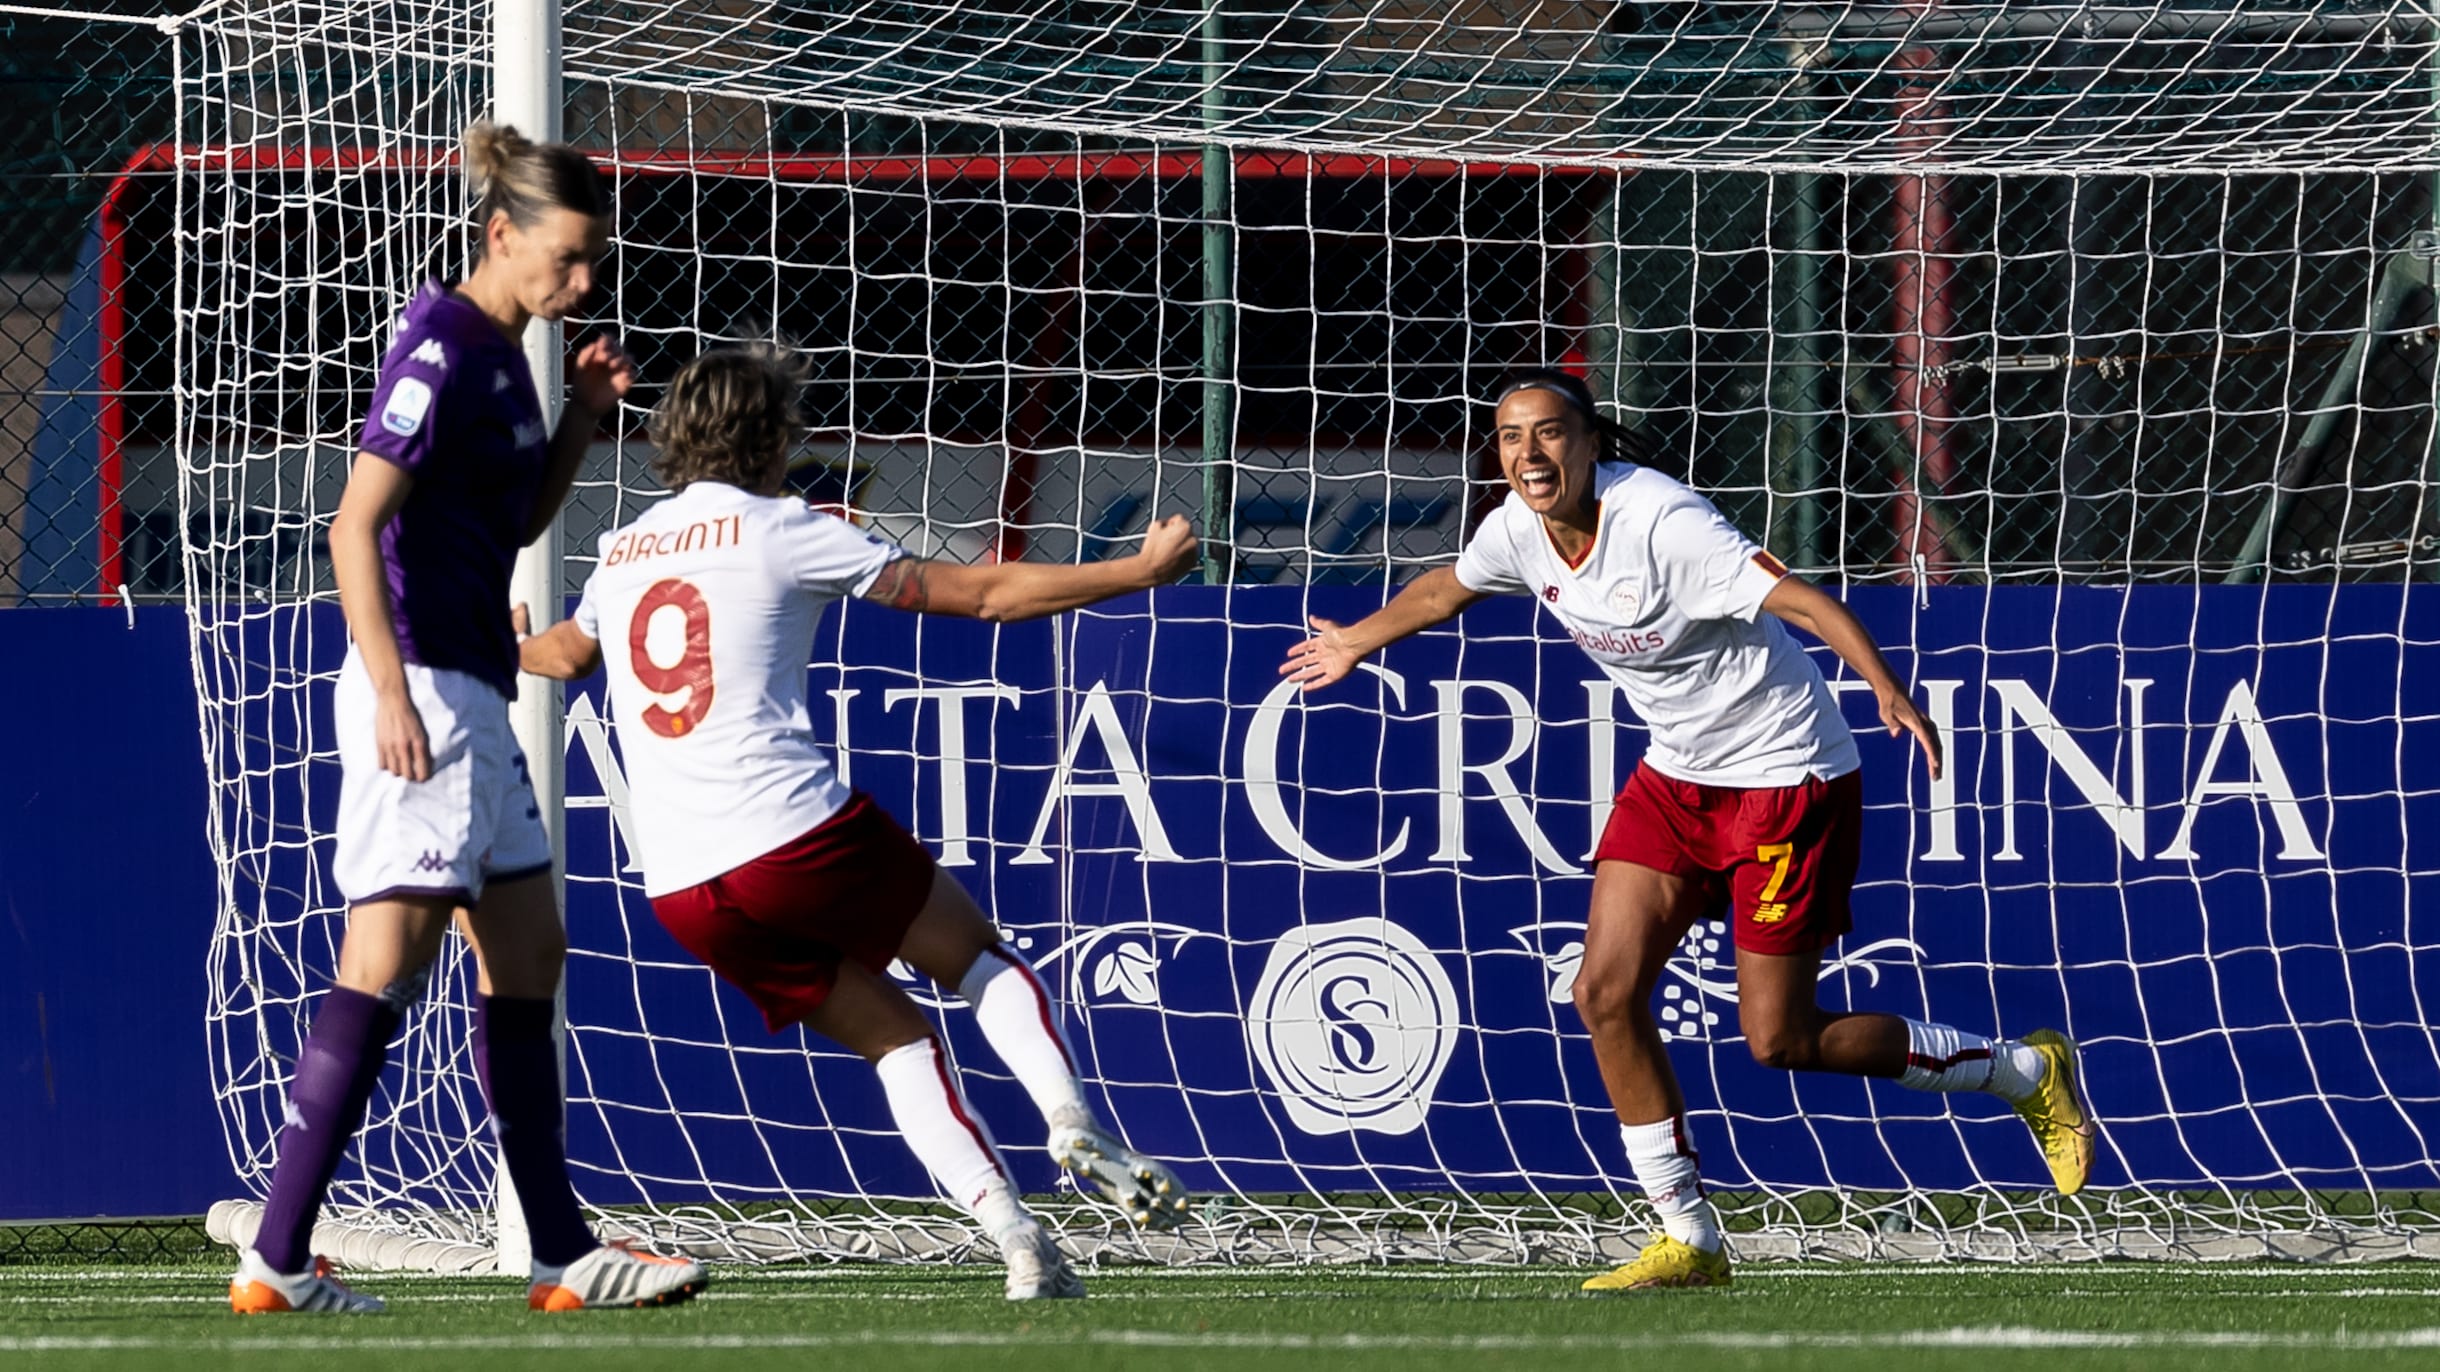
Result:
<point x="727" y="416"/>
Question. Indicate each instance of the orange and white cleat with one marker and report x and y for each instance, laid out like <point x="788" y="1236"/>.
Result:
<point x="257" y="1290"/>
<point x="615" y="1276"/>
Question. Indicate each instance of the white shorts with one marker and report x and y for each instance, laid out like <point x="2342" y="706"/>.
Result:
<point x="475" y="821"/>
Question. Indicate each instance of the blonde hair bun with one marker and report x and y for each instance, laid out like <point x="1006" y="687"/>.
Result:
<point x="490" y="150"/>
<point x="512" y="174"/>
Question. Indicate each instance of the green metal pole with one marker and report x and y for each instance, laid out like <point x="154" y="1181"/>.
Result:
<point x="2430" y="504"/>
<point x="2404" y="275"/>
<point x="1796" y="458"/>
<point x="1219" y="345"/>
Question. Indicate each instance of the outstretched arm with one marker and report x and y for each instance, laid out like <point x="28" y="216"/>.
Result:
<point x="1006" y="592"/>
<point x="1432" y="598"/>
<point x="1806" y="606"/>
<point x="562" y="652"/>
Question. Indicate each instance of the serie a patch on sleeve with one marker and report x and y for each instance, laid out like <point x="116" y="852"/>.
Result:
<point x="409" y="400"/>
<point x="1768" y="563"/>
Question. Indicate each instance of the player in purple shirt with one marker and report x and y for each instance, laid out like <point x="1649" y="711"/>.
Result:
<point x="436" y="818"/>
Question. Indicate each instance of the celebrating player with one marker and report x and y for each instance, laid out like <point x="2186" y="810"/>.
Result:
<point x="435" y="814"/>
<point x="756" y="857"/>
<point x="1748" y="796"/>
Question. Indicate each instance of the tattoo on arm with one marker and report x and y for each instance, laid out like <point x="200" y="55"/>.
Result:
<point x="901" y="586"/>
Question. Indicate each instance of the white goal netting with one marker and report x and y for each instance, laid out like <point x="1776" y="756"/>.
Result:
<point x="2050" y="333"/>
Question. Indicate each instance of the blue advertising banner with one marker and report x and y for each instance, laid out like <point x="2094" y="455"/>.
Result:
<point x="1326" y="943"/>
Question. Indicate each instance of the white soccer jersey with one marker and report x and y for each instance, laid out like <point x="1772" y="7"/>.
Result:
<point x="1668" y="601"/>
<point x="705" y="609"/>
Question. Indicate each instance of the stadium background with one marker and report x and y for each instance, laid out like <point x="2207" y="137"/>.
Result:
<point x="2229" y="307"/>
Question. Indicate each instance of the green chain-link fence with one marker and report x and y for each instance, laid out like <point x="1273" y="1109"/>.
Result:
<point x="1014" y="336"/>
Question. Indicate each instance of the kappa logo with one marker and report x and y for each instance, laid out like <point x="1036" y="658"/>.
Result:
<point x="432" y="861"/>
<point x="1353" y="1023"/>
<point x="499" y="382"/>
<point x="429" y="353"/>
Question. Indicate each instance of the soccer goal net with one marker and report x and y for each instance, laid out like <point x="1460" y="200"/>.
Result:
<point x="2086" y="348"/>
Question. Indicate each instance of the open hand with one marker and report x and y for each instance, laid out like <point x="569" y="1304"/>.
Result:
<point x="1322" y="659"/>
<point x="399" y="739"/>
<point x="602" y="375"/>
<point x="1898" y="712"/>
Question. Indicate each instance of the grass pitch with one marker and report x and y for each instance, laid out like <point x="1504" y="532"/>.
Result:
<point x="2049" y="1316"/>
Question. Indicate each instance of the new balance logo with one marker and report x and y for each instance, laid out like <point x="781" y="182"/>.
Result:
<point x="431" y="861"/>
<point x="429" y="353"/>
<point x="1550" y="593"/>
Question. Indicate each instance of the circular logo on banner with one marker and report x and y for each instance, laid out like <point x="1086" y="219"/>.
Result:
<point x="1626" y="602"/>
<point x="1353" y="1023"/>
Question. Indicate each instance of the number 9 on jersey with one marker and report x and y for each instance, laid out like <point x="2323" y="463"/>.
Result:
<point x="688" y="680"/>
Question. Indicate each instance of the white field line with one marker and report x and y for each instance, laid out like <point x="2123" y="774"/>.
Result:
<point x="983" y="1285"/>
<point x="1746" y="1272"/>
<point x="1962" y="1338"/>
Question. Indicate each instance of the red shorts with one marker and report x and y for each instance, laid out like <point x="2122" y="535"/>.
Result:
<point x="1782" y="858"/>
<point x="778" y="927"/>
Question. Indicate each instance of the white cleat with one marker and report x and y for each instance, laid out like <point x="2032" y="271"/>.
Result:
<point x="1037" y="1270"/>
<point x="1145" y="1188"/>
<point x="257" y="1290"/>
<point x="615" y="1276"/>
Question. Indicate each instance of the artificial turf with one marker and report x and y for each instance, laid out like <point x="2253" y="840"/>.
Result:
<point x="2053" y="1316"/>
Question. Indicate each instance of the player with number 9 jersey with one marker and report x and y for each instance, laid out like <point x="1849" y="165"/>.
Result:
<point x="757" y="858"/>
<point x="1748" y="801"/>
<point x="718" y="747"/>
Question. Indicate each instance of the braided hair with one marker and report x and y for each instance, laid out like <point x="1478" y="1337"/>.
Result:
<point x="1613" y="441"/>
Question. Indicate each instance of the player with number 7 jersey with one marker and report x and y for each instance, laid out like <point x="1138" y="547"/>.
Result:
<point x="757" y="859"/>
<point x="1748" y="797"/>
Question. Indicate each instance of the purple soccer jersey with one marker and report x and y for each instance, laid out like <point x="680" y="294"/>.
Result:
<point x="455" y="407"/>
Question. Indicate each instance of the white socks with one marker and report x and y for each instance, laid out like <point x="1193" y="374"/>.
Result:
<point x="1665" y="1166"/>
<point x="1017" y="1017"/>
<point x="952" y="1144"/>
<point x="1939" y="1058"/>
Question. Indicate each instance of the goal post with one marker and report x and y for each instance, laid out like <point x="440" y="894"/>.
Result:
<point x="2008" y="333"/>
<point x="526" y="93"/>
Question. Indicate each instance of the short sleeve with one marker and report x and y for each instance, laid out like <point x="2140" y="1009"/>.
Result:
<point x="1708" y="569"/>
<point x="588" y="614"/>
<point x="1487" y="564"/>
<point x="829" y="556"/>
<point x="407" y="402"/>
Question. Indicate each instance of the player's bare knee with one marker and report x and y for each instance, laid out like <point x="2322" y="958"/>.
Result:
<point x="1608" y="996"/>
<point x="1786" y="1048"/>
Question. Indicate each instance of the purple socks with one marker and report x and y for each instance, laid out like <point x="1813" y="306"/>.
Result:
<point x="335" y="1075"/>
<point x="519" y="1066"/>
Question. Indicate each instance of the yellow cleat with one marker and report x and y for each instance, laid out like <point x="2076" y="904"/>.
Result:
<point x="2056" y="1114"/>
<point x="1666" y="1262"/>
